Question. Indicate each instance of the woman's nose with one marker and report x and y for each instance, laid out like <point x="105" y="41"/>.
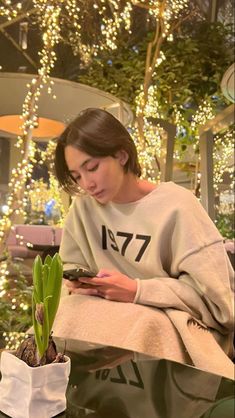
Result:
<point x="87" y="184"/>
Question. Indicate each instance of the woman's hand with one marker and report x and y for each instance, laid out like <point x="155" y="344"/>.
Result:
<point x="108" y="284"/>
<point x="73" y="285"/>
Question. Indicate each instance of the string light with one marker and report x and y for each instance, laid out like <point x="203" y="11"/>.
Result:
<point x="223" y="153"/>
<point x="48" y="20"/>
<point x="204" y="113"/>
<point x="49" y="17"/>
<point x="13" y="339"/>
<point x="166" y="16"/>
<point x="9" y="11"/>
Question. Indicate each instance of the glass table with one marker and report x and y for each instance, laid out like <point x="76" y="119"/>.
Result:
<point x="109" y="382"/>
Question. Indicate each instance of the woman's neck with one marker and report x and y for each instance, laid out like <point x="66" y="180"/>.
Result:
<point x="134" y="189"/>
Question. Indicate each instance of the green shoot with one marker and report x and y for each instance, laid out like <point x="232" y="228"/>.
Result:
<point x="47" y="283"/>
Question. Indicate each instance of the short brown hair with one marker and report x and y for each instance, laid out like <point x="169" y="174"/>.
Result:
<point x="99" y="134"/>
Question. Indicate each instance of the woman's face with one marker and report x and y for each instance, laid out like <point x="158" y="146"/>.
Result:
<point x="101" y="177"/>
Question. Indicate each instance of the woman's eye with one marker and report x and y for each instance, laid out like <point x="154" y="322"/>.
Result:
<point x="76" y="178"/>
<point x="93" y="168"/>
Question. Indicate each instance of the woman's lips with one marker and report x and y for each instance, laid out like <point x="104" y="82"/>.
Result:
<point x="98" y="194"/>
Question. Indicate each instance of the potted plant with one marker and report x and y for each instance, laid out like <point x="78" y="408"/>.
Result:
<point x="35" y="376"/>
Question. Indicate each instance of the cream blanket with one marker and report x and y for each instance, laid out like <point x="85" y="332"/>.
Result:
<point x="165" y="334"/>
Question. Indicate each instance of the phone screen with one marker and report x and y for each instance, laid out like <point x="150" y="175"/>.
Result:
<point x="74" y="274"/>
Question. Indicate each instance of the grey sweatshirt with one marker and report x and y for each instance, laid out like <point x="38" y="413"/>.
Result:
<point x="166" y="242"/>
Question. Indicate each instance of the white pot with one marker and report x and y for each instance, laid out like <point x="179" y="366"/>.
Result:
<point x="32" y="392"/>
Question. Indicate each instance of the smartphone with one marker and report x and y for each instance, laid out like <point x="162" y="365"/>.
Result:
<point x="74" y="274"/>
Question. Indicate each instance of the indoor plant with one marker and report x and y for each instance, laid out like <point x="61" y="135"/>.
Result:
<point x="35" y="376"/>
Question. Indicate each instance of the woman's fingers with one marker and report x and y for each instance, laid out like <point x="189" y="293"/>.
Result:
<point x="93" y="281"/>
<point x="77" y="287"/>
<point x="107" y="284"/>
<point x="87" y="291"/>
<point x="99" y="279"/>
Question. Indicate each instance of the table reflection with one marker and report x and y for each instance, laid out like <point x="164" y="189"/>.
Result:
<point x="108" y="382"/>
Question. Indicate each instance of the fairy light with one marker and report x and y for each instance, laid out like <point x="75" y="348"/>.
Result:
<point x="151" y="108"/>
<point x="38" y="195"/>
<point x="17" y="297"/>
<point x="223" y="151"/>
<point x="165" y="16"/>
<point x="10" y="11"/>
<point x="48" y="19"/>
<point x="111" y="25"/>
<point x="13" y="339"/>
<point x="56" y="194"/>
<point x="46" y="193"/>
<point x="3" y="277"/>
<point x="204" y="112"/>
<point x="68" y="19"/>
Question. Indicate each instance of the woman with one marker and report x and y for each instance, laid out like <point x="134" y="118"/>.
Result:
<point x="146" y="244"/>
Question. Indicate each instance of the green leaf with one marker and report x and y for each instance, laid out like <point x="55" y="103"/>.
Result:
<point x="45" y="328"/>
<point x="37" y="330"/>
<point x="36" y="297"/>
<point x="47" y="284"/>
<point x="45" y="274"/>
<point x="54" y="287"/>
<point x="48" y="260"/>
<point x="37" y="277"/>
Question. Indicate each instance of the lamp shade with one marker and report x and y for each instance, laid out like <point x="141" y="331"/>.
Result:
<point x="55" y="110"/>
<point x="227" y="83"/>
<point x="45" y="128"/>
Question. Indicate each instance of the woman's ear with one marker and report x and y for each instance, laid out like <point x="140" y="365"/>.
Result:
<point x="122" y="156"/>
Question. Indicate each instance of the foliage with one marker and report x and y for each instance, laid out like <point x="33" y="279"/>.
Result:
<point x="16" y="320"/>
<point x="120" y="74"/>
<point x="42" y="207"/>
<point x="47" y="281"/>
<point x="204" y="46"/>
<point x="225" y="224"/>
<point x="195" y="63"/>
<point x="189" y="75"/>
<point x="15" y="302"/>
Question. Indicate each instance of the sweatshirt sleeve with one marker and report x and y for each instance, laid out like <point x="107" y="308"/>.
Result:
<point x="203" y="288"/>
<point x="70" y="252"/>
